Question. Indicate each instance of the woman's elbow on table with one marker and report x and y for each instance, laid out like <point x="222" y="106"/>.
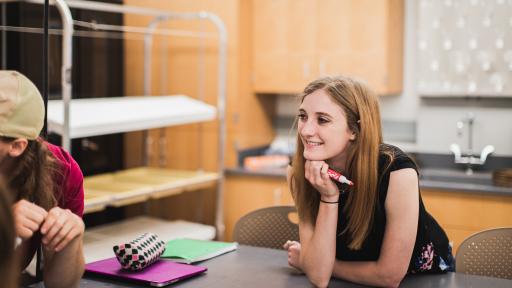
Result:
<point x="392" y="279"/>
<point x="319" y="277"/>
<point x="320" y="281"/>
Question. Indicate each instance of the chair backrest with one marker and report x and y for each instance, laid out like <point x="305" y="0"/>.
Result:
<point x="267" y="227"/>
<point x="487" y="253"/>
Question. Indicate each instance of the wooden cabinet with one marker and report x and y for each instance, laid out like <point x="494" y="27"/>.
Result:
<point x="244" y="194"/>
<point x="283" y="34"/>
<point x="296" y="41"/>
<point x="462" y="214"/>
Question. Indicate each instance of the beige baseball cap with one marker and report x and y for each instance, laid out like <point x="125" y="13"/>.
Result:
<point x="21" y="106"/>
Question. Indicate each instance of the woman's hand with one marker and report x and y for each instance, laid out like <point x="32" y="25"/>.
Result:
<point x="60" y="228"/>
<point x="316" y="173"/>
<point x="293" y="248"/>
<point x="28" y="217"/>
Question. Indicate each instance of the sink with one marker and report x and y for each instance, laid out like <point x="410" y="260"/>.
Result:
<point x="455" y="176"/>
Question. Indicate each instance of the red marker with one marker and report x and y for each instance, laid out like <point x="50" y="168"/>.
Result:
<point x="336" y="176"/>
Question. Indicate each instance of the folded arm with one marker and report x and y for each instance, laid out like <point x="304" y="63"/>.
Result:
<point x="318" y="242"/>
<point x="318" y="245"/>
<point x="402" y="209"/>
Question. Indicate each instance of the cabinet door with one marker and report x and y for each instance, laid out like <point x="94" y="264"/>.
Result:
<point x="244" y="194"/>
<point x="296" y="41"/>
<point x="283" y="45"/>
<point x="363" y="39"/>
<point x="333" y="30"/>
<point x="462" y="214"/>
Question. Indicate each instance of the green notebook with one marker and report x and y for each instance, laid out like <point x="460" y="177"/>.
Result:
<point x="191" y="250"/>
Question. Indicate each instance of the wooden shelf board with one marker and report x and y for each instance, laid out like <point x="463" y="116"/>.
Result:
<point x="139" y="184"/>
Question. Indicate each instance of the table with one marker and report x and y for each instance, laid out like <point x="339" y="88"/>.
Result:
<point x="261" y="267"/>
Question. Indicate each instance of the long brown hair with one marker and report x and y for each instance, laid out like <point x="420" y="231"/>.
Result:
<point x="8" y="261"/>
<point x="361" y="109"/>
<point x="31" y="177"/>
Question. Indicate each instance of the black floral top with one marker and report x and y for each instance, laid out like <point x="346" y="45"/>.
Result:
<point x="432" y="252"/>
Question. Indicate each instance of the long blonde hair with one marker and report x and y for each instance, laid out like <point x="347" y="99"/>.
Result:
<point x="361" y="109"/>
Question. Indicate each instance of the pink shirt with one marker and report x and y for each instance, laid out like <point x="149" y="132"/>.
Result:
<point x="69" y="182"/>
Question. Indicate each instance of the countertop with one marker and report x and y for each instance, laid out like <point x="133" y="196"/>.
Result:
<point x="438" y="179"/>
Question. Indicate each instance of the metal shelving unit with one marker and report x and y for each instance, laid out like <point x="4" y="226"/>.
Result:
<point x="71" y="118"/>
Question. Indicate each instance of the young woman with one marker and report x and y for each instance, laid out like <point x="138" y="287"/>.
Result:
<point x="376" y="231"/>
<point x="46" y="183"/>
<point x="8" y="263"/>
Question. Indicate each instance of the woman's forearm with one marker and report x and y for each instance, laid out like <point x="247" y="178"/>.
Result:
<point x="368" y="273"/>
<point x="65" y="268"/>
<point x="318" y="255"/>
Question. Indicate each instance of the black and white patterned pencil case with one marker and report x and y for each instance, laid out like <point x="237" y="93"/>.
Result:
<point x="139" y="253"/>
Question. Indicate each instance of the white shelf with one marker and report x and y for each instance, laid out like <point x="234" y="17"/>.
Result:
<point x="98" y="241"/>
<point x="100" y="116"/>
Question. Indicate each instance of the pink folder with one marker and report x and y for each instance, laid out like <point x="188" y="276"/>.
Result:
<point x="158" y="274"/>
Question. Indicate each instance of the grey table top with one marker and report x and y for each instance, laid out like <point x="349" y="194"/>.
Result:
<point x="261" y="267"/>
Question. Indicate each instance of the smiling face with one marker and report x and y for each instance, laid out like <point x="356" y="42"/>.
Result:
<point x="323" y="129"/>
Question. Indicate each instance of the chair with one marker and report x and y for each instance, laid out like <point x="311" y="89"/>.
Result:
<point x="267" y="227"/>
<point x="486" y="253"/>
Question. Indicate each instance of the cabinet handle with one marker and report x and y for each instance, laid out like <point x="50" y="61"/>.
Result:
<point x="278" y="192"/>
<point x="321" y="67"/>
<point x="149" y="149"/>
<point x="306" y="69"/>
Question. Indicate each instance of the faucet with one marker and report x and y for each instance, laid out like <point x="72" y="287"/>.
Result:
<point x="469" y="158"/>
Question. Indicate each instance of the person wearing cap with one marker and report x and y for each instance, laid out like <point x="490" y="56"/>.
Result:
<point x="47" y="185"/>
